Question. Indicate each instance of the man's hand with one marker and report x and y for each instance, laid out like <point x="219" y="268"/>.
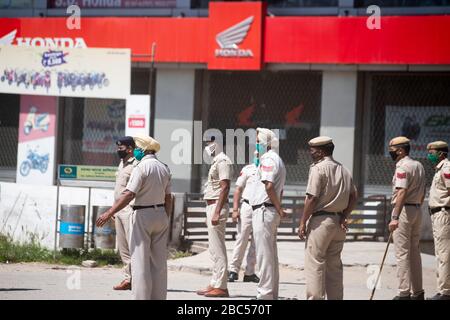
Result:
<point x="302" y="231"/>
<point x="104" y="218"/>
<point x="215" y="218"/>
<point x="236" y="215"/>
<point x="393" y="225"/>
<point x="282" y="213"/>
<point x="344" y="223"/>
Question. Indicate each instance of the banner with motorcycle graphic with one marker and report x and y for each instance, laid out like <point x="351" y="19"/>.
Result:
<point x="36" y="148"/>
<point x="87" y="72"/>
<point x="421" y="124"/>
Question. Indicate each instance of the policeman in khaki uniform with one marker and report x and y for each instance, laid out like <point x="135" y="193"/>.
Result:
<point x="267" y="212"/>
<point x="330" y="198"/>
<point x="247" y="185"/>
<point x="125" y="148"/>
<point x="439" y="208"/>
<point x="406" y="219"/>
<point x="216" y="193"/>
<point x="150" y="186"/>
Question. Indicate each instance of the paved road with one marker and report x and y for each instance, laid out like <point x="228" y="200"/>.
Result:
<point x="43" y="281"/>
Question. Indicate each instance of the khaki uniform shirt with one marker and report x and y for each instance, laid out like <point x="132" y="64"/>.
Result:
<point x="150" y="181"/>
<point x="409" y="174"/>
<point x="331" y="183"/>
<point x="220" y="170"/>
<point x="123" y="176"/>
<point x="441" y="183"/>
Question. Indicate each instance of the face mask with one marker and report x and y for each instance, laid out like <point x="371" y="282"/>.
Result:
<point x="138" y="154"/>
<point x="393" y="155"/>
<point x="261" y="148"/>
<point x="122" y="153"/>
<point x="210" y="149"/>
<point x="433" y="157"/>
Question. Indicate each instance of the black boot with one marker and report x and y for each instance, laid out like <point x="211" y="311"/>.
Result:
<point x="420" y="296"/>
<point x="402" y="298"/>
<point x="232" y="276"/>
<point x="439" y="296"/>
<point x="251" y="278"/>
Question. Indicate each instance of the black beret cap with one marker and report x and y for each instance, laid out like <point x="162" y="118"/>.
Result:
<point x="126" y="141"/>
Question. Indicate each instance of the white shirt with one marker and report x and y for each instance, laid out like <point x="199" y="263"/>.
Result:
<point x="272" y="169"/>
<point x="249" y="181"/>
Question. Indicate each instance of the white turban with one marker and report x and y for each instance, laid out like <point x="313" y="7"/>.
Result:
<point x="267" y="137"/>
<point x="146" y="143"/>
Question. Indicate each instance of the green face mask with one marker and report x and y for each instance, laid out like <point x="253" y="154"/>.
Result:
<point x="138" y="154"/>
<point x="433" y="157"/>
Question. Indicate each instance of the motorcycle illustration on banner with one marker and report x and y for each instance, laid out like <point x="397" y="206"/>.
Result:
<point x="36" y="121"/>
<point x="82" y="80"/>
<point x="33" y="79"/>
<point x="34" y="161"/>
<point x="64" y="72"/>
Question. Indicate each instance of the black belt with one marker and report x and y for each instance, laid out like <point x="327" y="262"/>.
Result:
<point x="151" y="206"/>
<point x="412" y="204"/>
<point x="437" y="209"/>
<point x="326" y="213"/>
<point x="246" y="201"/>
<point x="265" y="204"/>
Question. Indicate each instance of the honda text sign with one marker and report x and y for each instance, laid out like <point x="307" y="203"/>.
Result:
<point x="235" y="35"/>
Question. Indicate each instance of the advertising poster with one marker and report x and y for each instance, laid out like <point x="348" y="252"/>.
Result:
<point x="90" y="73"/>
<point x="104" y="124"/>
<point x="36" y="148"/>
<point x="421" y="125"/>
<point x="137" y="115"/>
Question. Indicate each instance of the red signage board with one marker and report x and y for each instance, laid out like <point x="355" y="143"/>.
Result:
<point x="347" y="40"/>
<point x="235" y="34"/>
<point x="238" y="36"/>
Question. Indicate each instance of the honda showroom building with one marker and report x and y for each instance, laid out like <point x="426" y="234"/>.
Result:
<point x="356" y="79"/>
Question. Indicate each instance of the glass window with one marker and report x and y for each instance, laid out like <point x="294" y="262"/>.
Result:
<point x="412" y="105"/>
<point x="289" y="101"/>
<point x="91" y="127"/>
<point x="278" y="3"/>
<point x="9" y="129"/>
<point x="401" y="3"/>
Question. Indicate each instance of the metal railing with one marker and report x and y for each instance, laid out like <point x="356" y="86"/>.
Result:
<point x="367" y="221"/>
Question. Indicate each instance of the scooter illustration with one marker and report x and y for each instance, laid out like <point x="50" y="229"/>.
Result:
<point x="36" y="121"/>
<point x="34" y="161"/>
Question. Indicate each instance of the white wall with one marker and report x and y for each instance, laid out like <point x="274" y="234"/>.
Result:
<point x="338" y="113"/>
<point x="29" y="210"/>
<point x="174" y="109"/>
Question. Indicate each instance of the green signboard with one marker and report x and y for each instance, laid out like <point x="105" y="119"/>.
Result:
<point x="97" y="173"/>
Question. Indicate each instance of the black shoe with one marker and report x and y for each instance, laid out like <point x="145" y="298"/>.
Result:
<point x="251" y="278"/>
<point x="420" y="296"/>
<point x="402" y="298"/>
<point x="232" y="276"/>
<point x="439" y="296"/>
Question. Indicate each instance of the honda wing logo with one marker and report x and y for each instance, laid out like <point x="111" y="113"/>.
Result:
<point x="8" y="39"/>
<point x="229" y="39"/>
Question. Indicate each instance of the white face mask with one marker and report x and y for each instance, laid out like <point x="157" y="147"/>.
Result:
<point x="210" y="149"/>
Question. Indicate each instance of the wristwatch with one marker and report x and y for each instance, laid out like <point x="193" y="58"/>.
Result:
<point x="394" y="217"/>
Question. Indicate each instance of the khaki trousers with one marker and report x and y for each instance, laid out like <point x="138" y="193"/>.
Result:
<point x="244" y="230"/>
<point x="441" y="234"/>
<point x="323" y="266"/>
<point x="216" y="246"/>
<point x="407" y="251"/>
<point x="265" y="225"/>
<point x="122" y="222"/>
<point x="148" y="247"/>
